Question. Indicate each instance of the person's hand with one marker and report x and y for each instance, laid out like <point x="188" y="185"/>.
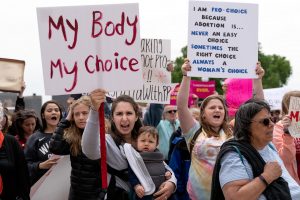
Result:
<point x="186" y="67"/>
<point x="170" y="66"/>
<point x="165" y="191"/>
<point x="97" y="97"/>
<point x="23" y="87"/>
<point x="286" y="121"/>
<point x="260" y="72"/>
<point x="168" y="175"/>
<point x="272" y="171"/>
<point x="48" y="163"/>
<point x="139" y="190"/>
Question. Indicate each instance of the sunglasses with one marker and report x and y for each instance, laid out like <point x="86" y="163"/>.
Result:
<point x="171" y="111"/>
<point x="265" y="121"/>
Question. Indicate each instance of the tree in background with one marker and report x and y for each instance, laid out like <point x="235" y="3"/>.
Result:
<point x="277" y="70"/>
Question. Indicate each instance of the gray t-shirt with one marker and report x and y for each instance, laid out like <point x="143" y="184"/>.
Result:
<point x="232" y="169"/>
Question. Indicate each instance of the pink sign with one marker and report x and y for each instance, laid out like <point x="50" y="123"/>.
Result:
<point x="238" y="91"/>
<point x="198" y="89"/>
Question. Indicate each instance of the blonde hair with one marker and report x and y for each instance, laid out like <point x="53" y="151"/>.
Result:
<point x="73" y="134"/>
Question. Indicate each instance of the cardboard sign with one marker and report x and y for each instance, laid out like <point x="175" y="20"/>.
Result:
<point x="294" y="113"/>
<point x="89" y="47"/>
<point x="155" y="54"/>
<point x="150" y="93"/>
<point x="12" y="73"/>
<point x="223" y="39"/>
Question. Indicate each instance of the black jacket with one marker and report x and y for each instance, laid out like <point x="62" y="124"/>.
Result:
<point x="14" y="171"/>
<point x="85" y="173"/>
<point x="37" y="151"/>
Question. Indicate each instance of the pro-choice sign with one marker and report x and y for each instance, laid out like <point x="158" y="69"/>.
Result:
<point x="87" y="47"/>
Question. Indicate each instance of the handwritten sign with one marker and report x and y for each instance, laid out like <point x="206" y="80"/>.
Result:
<point x="156" y="87"/>
<point x="87" y="47"/>
<point x="223" y="39"/>
<point x="155" y="55"/>
<point x="274" y="97"/>
<point x="12" y="73"/>
<point x="238" y="91"/>
<point x="150" y="93"/>
<point x="294" y="113"/>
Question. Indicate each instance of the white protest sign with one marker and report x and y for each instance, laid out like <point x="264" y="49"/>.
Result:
<point x="223" y="39"/>
<point x="294" y="114"/>
<point x="274" y="97"/>
<point x="155" y="54"/>
<point x="150" y="93"/>
<point x="88" y="47"/>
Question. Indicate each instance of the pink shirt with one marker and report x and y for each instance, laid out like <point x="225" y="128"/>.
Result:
<point x="286" y="148"/>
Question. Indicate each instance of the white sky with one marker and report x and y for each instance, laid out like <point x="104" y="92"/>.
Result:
<point x="166" y="19"/>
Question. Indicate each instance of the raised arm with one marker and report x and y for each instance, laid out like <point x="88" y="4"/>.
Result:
<point x="185" y="117"/>
<point x="258" y="92"/>
<point x="91" y="138"/>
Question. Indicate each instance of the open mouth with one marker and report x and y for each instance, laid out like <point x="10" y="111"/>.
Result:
<point x="53" y="118"/>
<point x="216" y="117"/>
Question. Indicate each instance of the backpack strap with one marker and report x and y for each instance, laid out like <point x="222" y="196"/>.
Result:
<point x="241" y="157"/>
<point x="193" y="141"/>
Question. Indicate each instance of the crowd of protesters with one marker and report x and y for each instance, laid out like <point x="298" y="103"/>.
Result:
<point x="171" y="152"/>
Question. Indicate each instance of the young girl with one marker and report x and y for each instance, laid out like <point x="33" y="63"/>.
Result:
<point x="85" y="173"/>
<point x="146" y="144"/>
<point x="37" y="151"/>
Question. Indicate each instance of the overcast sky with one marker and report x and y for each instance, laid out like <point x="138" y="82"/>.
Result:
<point x="166" y="19"/>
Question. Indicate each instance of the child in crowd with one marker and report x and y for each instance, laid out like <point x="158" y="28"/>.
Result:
<point x="146" y="145"/>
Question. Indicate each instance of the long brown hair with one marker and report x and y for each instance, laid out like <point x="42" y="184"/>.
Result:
<point x="73" y="134"/>
<point x="207" y="127"/>
<point x="138" y="124"/>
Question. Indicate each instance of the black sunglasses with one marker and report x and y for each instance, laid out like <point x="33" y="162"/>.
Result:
<point x="265" y="121"/>
<point x="172" y="111"/>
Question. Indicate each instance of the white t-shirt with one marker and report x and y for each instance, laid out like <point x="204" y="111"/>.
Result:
<point x="232" y="169"/>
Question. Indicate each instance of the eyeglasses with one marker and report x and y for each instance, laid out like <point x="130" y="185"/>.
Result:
<point x="171" y="111"/>
<point x="265" y="121"/>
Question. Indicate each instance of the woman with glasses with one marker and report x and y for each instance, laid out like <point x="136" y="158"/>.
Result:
<point x="249" y="166"/>
<point x="288" y="147"/>
<point x="203" y="138"/>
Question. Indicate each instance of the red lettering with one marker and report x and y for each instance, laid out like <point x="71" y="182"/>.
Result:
<point x="120" y="26"/>
<point x="95" y="22"/>
<point x="60" y="24"/>
<point x="108" y="65"/>
<point x="134" y="30"/>
<point x="133" y="62"/>
<point x="59" y="64"/>
<point x="75" y="71"/>
<point x="75" y="29"/>
<point x="112" y="29"/>
<point x="87" y="65"/>
<point x="294" y="115"/>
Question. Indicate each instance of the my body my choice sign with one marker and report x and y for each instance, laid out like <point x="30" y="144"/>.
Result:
<point x="87" y="47"/>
